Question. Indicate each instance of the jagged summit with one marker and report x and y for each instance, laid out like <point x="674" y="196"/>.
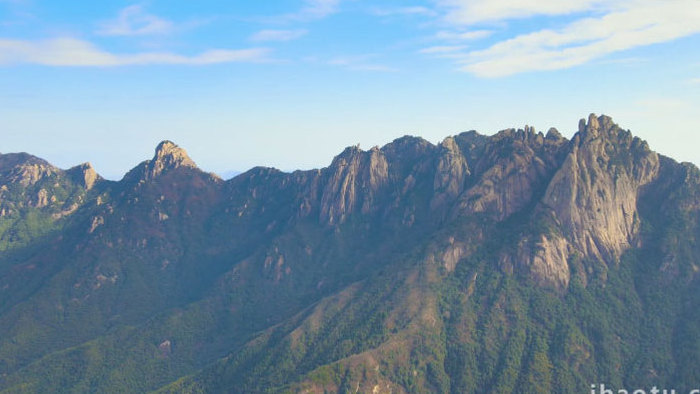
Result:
<point x="24" y="168"/>
<point x="521" y="261"/>
<point x="169" y="156"/>
<point x="85" y="174"/>
<point x="593" y="126"/>
<point x="553" y="134"/>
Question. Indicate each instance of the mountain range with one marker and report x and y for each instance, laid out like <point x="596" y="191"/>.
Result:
<point x="518" y="262"/>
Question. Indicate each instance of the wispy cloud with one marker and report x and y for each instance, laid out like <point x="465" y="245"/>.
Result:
<point x="360" y="63"/>
<point x="317" y="9"/>
<point x="605" y="27"/>
<point x="16" y="13"/>
<point x="455" y="52"/>
<point x="463" y="35"/>
<point x="468" y="12"/>
<point x="74" y="52"/>
<point x="278" y="35"/>
<point x="407" y="10"/>
<point x="443" y="49"/>
<point x="135" y="21"/>
<point x="625" y="60"/>
<point x="694" y="80"/>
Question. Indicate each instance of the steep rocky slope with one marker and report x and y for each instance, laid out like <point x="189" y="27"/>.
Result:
<point x="520" y="261"/>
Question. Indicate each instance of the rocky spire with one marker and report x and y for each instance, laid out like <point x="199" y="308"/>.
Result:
<point x="451" y="174"/>
<point x="355" y="179"/>
<point x="85" y="174"/>
<point x="168" y="156"/>
<point x="593" y="198"/>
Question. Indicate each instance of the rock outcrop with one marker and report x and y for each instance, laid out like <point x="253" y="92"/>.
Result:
<point x="27" y="181"/>
<point x="24" y="169"/>
<point x="513" y="167"/>
<point x="451" y="174"/>
<point x="85" y="175"/>
<point x="592" y="200"/>
<point x="354" y="180"/>
<point x="594" y="194"/>
<point x="168" y="156"/>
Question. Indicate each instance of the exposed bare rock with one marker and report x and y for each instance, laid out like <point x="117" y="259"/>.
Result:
<point x="168" y="156"/>
<point x="274" y="265"/>
<point x="453" y="254"/>
<point x="24" y="169"/>
<point x="514" y="166"/>
<point x="553" y="134"/>
<point x="29" y="182"/>
<point x="165" y="348"/>
<point x="85" y="174"/>
<point x="97" y="221"/>
<point x="590" y="199"/>
<point x="451" y="174"/>
<point x="354" y="180"/>
<point x="548" y="261"/>
<point x="67" y="211"/>
<point x="593" y="196"/>
<point x="376" y="175"/>
<point x="42" y="199"/>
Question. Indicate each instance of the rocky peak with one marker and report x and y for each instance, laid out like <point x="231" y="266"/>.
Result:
<point x="451" y="174"/>
<point x="408" y="156"/>
<point x="24" y="169"/>
<point x="407" y="144"/>
<point x="507" y="174"/>
<point x="527" y="134"/>
<point x="593" y="195"/>
<point x="85" y="174"/>
<point x="169" y="156"/>
<point x="598" y="126"/>
<point x="471" y="136"/>
<point x="354" y="180"/>
<point x="553" y="135"/>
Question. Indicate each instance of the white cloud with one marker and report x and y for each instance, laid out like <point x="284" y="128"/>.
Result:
<point x="442" y="49"/>
<point x="318" y="9"/>
<point x="695" y="80"/>
<point x="73" y="52"/>
<point x="638" y="23"/>
<point x="408" y="10"/>
<point x="360" y="63"/>
<point x="310" y="10"/>
<point x="134" y="21"/>
<point x="463" y="36"/>
<point x="625" y="60"/>
<point x="278" y="35"/>
<point x="467" y="12"/>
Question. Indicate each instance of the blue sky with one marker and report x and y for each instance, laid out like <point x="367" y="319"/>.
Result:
<point x="289" y="83"/>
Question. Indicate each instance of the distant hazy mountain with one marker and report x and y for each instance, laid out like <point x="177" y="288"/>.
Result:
<point x="521" y="262"/>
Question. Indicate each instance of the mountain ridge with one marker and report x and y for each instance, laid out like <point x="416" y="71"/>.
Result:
<point x="482" y="263"/>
